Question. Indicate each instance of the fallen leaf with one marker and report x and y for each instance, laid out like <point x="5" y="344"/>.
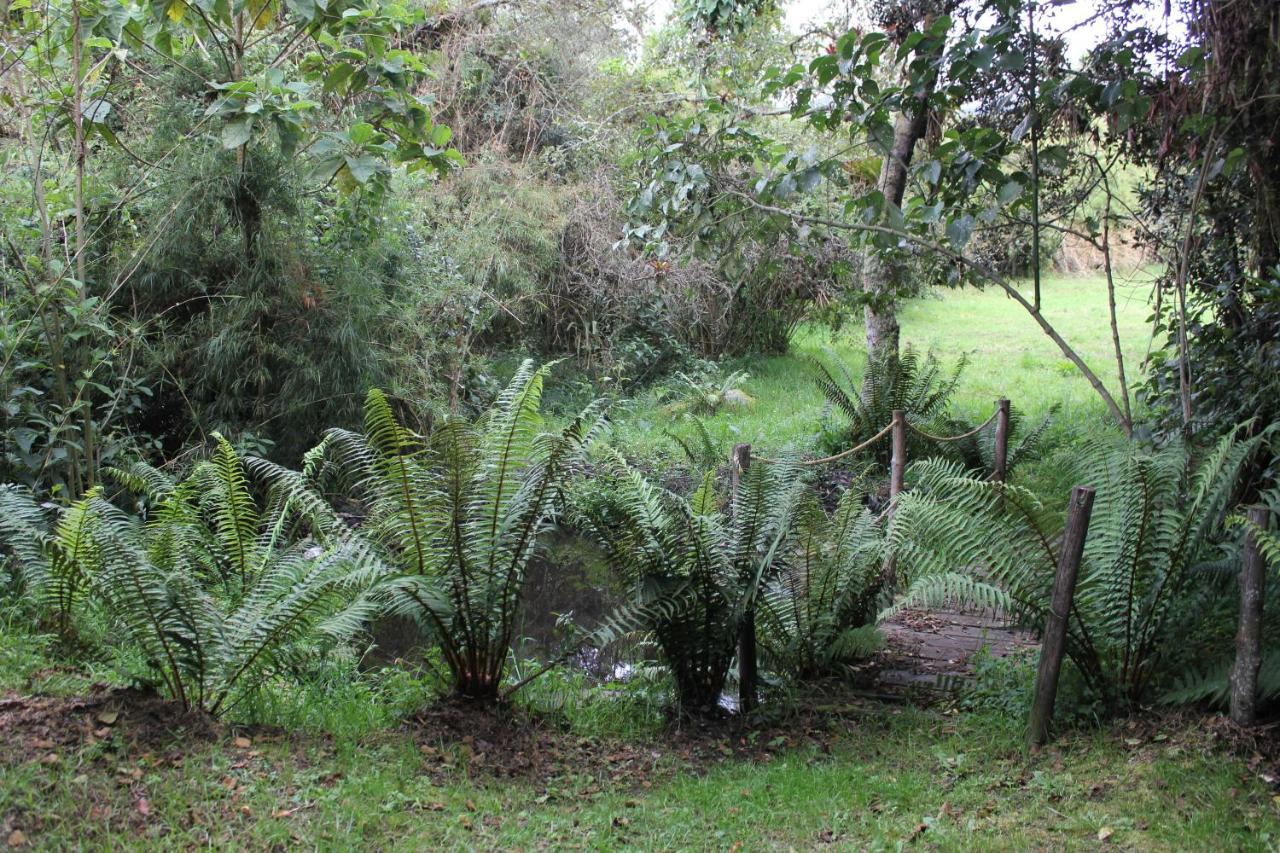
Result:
<point x="108" y="718"/>
<point x="243" y="743"/>
<point x="51" y="758"/>
<point x="17" y="838"/>
<point x="1105" y="833"/>
<point x="144" y="806"/>
<point x="246" y="811"/>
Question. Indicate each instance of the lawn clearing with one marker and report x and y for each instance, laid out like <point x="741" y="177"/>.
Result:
<point x="1009" y="356"/>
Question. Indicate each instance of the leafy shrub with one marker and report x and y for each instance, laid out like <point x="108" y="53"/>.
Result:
<point x="695" y="566"/>
<point x="1149" y="561"/>
<point x="707" y="394"/>
<point x="1207" y="679"/>
<point x="455" y="516"/>
<point x="1002" y="685"/>
<point x="214" y="594"/>
<point x="909" y="382"/>
<point x="818" y="613"/>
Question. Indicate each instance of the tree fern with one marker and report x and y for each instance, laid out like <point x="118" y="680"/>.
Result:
<point x="208" y="637"/>
<point x="455" y="516"/>
<point x="818" y="611"/>
<point x="915" y="384"/>
<point x="1150" y="541"/>
<point x="698" y="564"/>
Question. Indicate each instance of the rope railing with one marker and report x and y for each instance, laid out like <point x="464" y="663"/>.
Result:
<point x="962" y="436"/>
<point x="897" y="429"/>
<point x="1002" y="408"/>
<point x="843" y="453"/>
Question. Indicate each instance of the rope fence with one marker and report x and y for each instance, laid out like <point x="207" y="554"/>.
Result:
<point x="961" y="437"/>
<point x="898" y="427"/>
<point x="843" y="453"/>
<point x="897" y="430"/>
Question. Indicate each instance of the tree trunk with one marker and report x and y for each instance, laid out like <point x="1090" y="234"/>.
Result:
<point x="883" y="278"/>
<point x="1244" y="675"/>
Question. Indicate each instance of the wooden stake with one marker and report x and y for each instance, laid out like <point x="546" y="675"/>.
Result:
<point x="1000" y="461"/>
<point x="1054" y="642"/>
<point x="897" y="469"/>
<point x="748" y="662"/>
<point x="1244" y="674"/>
<point x="898" y="462"/>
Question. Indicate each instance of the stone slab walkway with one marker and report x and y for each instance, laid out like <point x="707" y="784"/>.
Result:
<point x="932" y="651"/>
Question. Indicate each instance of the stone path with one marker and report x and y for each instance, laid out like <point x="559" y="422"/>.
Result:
<point x="932" y="651"/>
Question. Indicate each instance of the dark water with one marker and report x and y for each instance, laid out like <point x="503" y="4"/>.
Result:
<point x="568" y="590"/>
<point x="567" y="584"/>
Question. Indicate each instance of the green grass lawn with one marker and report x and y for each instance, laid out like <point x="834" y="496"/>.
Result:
<point x="884" y="777"/>
<point x="1009" y="356"/>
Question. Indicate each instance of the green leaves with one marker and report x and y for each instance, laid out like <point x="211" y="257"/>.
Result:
<point x="455" y="516"/>
<point x="697" y="566"/>
<point x="1145" y="583"/>
<point x="213" y="595"/>
<point x="237" y="132"/>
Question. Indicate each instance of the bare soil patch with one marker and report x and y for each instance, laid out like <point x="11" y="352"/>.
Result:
<point x="46" y="728"/>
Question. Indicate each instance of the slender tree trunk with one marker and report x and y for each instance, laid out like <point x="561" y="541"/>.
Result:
<point x="883" y="278"/>
<point x="81" y="152"/>
<point x="50" y="311"/>
<point x="1127" y="423"/>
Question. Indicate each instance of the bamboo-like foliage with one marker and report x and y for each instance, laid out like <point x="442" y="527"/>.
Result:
<point x="1147" y="563"/>
<point x="218" y="594"/>
<point x="696" y="566"/>
<point x="915" y="384"/>
<point x="455" y="516"/>
<point x="818" y="613"/>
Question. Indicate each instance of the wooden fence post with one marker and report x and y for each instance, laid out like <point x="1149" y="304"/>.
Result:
<point x="1000" y="460"/>
<point x="898" y="461"/>
<point x="897" y="468"/>
<point x="1244" y="674"/>
<point x="1053" y="644"/>
<point x="748" y="664"/>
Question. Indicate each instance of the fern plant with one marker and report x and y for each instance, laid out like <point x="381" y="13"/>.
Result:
<point x="1148" y="568"/>
<point x="1026" y="443"/>
<point x="818" y="613"/>
<point x="215" y="593"/>
<point x="1207" y="680"/>
<point x="455" y="516"/>
<point x="696" y="566"/>
<point x="906" y="381"/>
<point x="707" y="396"/>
